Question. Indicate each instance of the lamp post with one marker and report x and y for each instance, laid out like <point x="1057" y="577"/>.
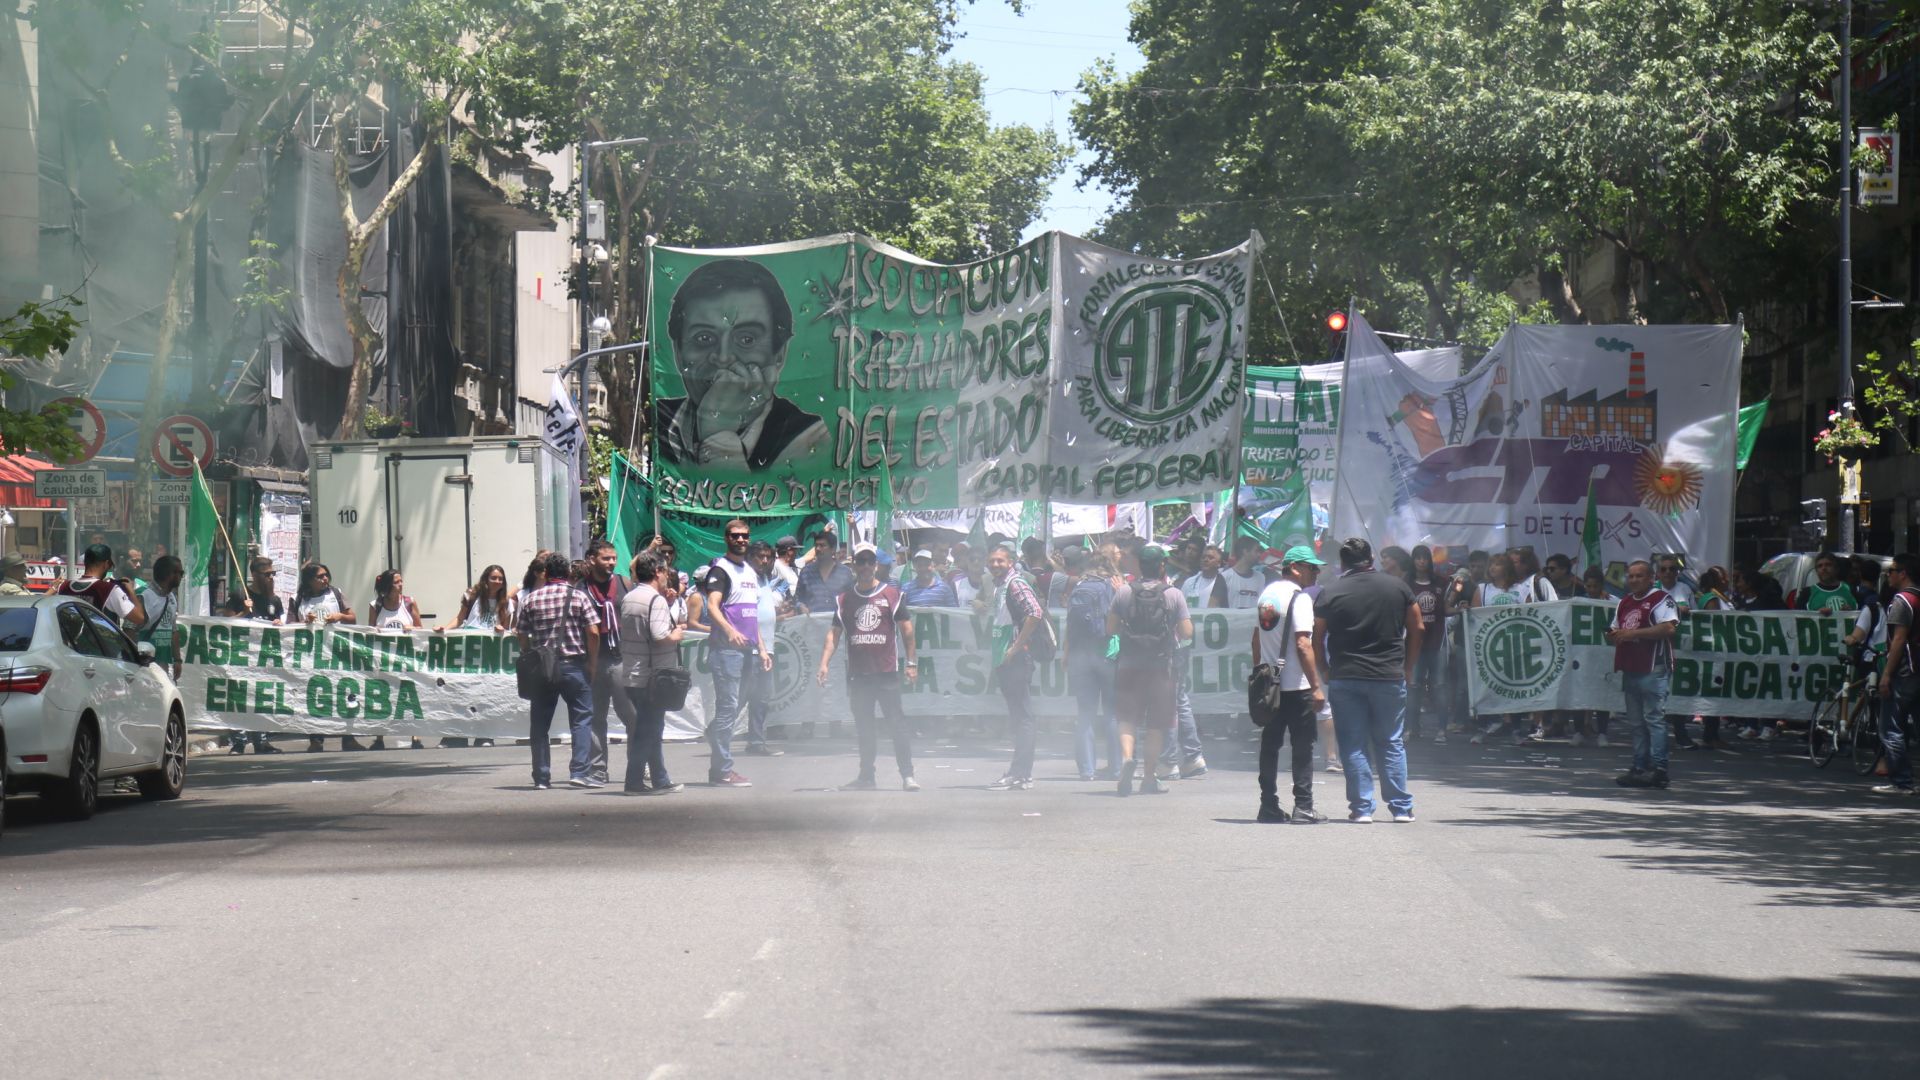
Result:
<point x="585" y="283"/>
<point x="1845" y="541"/>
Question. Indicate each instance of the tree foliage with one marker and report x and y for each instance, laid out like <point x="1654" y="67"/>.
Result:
<point x="36" y="331"/>
<point x="1425" y="156"/>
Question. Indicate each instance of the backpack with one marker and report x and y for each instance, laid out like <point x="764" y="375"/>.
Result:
<point x="1147" y="633"/>
<point x="1087" y="607"/>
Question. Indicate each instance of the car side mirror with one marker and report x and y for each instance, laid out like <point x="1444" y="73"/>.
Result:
<point x="144" y="650"/>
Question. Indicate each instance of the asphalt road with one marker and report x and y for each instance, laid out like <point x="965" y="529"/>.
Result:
<point x="426" y="914"/>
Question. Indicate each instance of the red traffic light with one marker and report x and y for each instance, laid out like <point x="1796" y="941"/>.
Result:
<point x="1337" y="321"/>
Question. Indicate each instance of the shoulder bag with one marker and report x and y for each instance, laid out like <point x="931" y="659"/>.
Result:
<point x="666" y="687"/>
<point x="1263" y="689"/>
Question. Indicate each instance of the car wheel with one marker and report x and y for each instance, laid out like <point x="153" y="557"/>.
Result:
<point x="170" y="779"/>
<point x="78" y="794"/>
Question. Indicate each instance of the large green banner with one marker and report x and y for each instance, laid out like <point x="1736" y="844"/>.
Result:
<point x="800" y="377"/>
<point x="1763" y="664"/>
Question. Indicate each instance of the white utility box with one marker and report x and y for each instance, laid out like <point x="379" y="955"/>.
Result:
<point x="437" y="510"/>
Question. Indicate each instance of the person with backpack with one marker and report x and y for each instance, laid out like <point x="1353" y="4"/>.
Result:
<point x="1151" y="618"/>
<point x="1900" y="679"/>
<point x="1023" y="638"/>
<point x="1090" y="669"/>
<point x="112" y="595"/>
<point x="1283" y="645"/>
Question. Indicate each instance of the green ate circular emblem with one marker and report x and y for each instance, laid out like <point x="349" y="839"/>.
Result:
<point x="1519" y="653"/>
<point x="1161" y="347"/>
<point x="793" y="668"/>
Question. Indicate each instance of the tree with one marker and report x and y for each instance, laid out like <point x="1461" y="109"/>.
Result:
<point x="772" y="120"/>
<point x="1424" y="155"/>
<point x="36" y="331"/>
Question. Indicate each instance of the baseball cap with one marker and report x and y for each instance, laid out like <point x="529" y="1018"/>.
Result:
<point x="1153" y="553"/>
<point x="864" y="551"/>
<point x="1301" y="553"/>
<point x="786" y="542"/>
<point x="923" y="553"/>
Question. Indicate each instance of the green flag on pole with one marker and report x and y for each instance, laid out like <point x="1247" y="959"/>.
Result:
<point x="1590" y="532"/>
<point x="1033" y="519"/>
<point x="883" y="512"/>
<point x="1751" y="419"/>
<point x="203" y="531"/>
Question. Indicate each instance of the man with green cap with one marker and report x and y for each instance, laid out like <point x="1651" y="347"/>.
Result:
<point x="1151" y="617"/>
<point x="1283" y="644"/>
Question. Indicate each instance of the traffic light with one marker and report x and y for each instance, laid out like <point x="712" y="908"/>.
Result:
<point x="1337" y="322"/>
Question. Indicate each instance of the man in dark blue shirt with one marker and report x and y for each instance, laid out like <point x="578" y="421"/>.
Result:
<point x="824" y="579"/>
<point x="926" y="588"/>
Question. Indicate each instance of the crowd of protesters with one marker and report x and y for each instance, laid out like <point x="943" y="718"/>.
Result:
<point x="1350" y="670"/>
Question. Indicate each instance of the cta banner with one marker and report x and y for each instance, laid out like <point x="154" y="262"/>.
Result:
<point x="1502" y="455"/>
<point x="354" y="680"/>
<point x="801" y="377"/>
<point x="1761" y="664"/>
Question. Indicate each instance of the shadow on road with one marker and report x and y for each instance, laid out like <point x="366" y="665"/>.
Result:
<point x="1677" y="1025"/>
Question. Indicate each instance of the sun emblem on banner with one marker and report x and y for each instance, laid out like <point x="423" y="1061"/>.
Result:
<point x="1666" y="487"/>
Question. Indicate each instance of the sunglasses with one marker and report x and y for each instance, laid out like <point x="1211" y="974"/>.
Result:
<point x="739" y="536"/>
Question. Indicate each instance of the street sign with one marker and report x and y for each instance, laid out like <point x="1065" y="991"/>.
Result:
<point x="88" y="424"/>
<point x="70" y="484"/>
<point x="172" y="492"/>
<point x="180" y="441"/>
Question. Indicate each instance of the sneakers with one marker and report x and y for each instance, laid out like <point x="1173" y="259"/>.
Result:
<point x="542" y="785"/>
<point x="1493" y="726"/>
<point x="1152" y="786"/>
<point x="864" y="783"/>
<point x="1307" y="815"/>
<point x="580" y="782"/>
<point x="1333" y="766"/>
<point x="1025" y="783"/>
<point x="1126" y="777"/>
<point x="1358" y="818"/>
<point x="1402" y="817"/>
<point x="1767" y="734"/>
<point x="908" y="783"/>
<point x="669" y="789"/>
<point x="1746" y="733"/>
<point x="1577" y="740"/>
<point x="1891" y="789"/>
<point x="1167" y="777"/>
<point x="1600" y="741"/>
<point x="1477" y="740"/>
<point x="267" y="748"/>
<point x="1659" y="779"/>
<point x="1634" y="778"/>
<point x="732" y="779"/>
<point x="1106" y="774"/>
<point x="765" y="751"/>
<point x="1194" y="769"/>
<point x="1519" y="738"/>
<point x="1005" y="783"/>
<point x="1440" y="737"/>
<point x="1271" y="815"/>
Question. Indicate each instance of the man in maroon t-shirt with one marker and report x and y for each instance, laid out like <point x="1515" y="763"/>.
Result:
<point x="873" y="619"/>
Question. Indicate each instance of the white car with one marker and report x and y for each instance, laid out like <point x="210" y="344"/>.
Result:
<point x="80" y="703"/>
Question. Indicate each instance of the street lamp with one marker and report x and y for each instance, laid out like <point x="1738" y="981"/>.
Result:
<point x="1845" y="544"/>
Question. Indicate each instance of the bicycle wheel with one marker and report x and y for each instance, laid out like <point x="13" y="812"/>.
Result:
<point x="1866" y="735"/>
<point x="1823" y="731"/>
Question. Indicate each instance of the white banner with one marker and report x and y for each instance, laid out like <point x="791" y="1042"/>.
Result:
<point x="1003" y="519"/>
<point x="1151" y="357"/>
<point x="1502" y="456"/>
<point x="1762" y="664"/>
<point x="354" y="680"/>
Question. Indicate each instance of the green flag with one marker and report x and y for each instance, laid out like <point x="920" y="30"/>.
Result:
<point x="203" y="531"/>
<point x="1590" y="532"/>
<point x="1751" y="419"/>
<point x="883" y="512"/>
<point x="1033" y="520"/>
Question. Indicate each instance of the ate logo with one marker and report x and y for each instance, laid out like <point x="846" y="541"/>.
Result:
<point x="1519" y="653"/>
<point x="1160" y="349"/>
<point x="867" y="620"/>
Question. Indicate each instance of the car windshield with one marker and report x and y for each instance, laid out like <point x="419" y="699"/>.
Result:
<point x="16" y="629"/>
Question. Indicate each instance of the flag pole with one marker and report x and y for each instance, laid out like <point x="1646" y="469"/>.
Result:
<point x="240" y="573"/>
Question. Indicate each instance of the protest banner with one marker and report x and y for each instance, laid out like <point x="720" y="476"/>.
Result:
<point x="1502" y="455"/>
<point x="794" y="378"/>
<point x="340" y="680"/>
<point x="1760" y="664"/>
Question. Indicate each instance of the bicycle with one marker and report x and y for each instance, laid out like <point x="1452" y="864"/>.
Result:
<point x="1846" y="721"/>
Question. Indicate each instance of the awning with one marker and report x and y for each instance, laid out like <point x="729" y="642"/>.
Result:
<point x="16" y="483"/>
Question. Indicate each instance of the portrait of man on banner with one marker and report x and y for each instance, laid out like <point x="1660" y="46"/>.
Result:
<point x="730" y="324"/>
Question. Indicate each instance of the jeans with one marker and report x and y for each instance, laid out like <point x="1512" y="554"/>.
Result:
<point x="1368" y="715"/>
<point x="1297" y="720"/>
<point x="644" y="749"/>
<point x="1895" y="713"/>
<point x="575" y="687"/>
<point x="1646" y="709"/>
<point x="728" y="666"/>
<point x="1016" y="686"/>
<point x="1425" y="691"/>
<point x="1185" y="743"/>
<point x="1090" y="675"/>
<point x="606" y="694"/>
<point x="756" y="686"/>
<point x="880" y="693"/>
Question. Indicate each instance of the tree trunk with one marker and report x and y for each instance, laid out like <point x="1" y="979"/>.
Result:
<point x="359" y="238"/>
<point x="1558" y="289"/>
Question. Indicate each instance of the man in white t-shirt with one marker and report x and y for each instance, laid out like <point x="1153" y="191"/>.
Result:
<point x="1204" y="588"/>
<point x="111" y="595"/>
<point x="1283" y="643"/>
<point x="1245" y="579"/>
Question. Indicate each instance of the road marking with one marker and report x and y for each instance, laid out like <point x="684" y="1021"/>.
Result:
<point x="724" y="1005"/>
<point x="661" y="1072"/>
<point x="61" y="914"/>
<point x="255" y="849"/>
<point x="164" y="878"/>
<point x="1548" y="911"/>
<point x="768" y="949"/>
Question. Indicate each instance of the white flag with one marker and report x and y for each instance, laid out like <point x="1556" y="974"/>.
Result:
<point x="564" y="431"/>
